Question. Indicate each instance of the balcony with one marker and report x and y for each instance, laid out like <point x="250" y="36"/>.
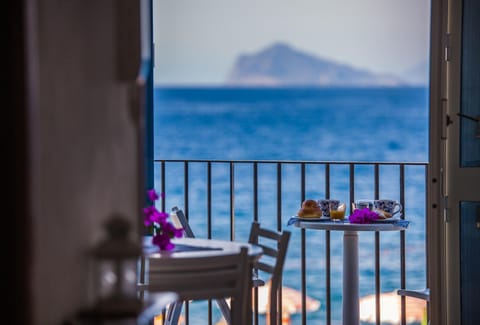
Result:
<point x="222" y="197"/>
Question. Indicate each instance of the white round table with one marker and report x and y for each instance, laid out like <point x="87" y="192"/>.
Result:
<point x="350" y="299"/>
<point x="193" y="247"/>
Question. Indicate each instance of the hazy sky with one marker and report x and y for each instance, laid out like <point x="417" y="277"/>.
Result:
<point x="197" y="41"/>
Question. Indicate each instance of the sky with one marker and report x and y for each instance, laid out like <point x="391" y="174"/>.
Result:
<point x="197" y="41"/>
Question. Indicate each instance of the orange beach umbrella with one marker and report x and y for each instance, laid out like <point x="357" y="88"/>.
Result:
<point x="390" y="308"/>
<point x="291" y="302"/>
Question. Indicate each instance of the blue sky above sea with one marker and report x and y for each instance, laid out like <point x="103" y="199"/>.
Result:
<point x="197" y="41"/>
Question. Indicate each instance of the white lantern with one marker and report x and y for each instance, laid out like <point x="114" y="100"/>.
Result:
<point x="115" y="262"/>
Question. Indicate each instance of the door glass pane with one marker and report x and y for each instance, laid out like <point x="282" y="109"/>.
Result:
<point x="470" y="263"/>
<point x="470" y="97"/>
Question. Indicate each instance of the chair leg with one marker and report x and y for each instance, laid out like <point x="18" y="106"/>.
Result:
<point x="225" y="309"/>
<point x="173" y="313"/>
<point x="272" y="310"/>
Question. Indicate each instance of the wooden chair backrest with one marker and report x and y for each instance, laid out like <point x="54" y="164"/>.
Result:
<point x="274" y="245"/>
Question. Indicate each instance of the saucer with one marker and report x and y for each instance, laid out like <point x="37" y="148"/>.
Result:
<point x="313" y="218"/>
<point x="389" y="220"/>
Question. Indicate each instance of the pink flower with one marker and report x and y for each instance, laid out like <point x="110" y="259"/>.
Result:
<point x="163" y="230"/>
<point x="163" y="242"/>
<point x="159" y="217"/>
<point x="363" y="216"/>
<point x="170" y="229"/>
<point x="147" y="215"/>
<point x="152" y="195"/>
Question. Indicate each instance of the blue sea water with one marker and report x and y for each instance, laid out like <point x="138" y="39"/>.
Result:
<point x="363" y="124"/>
<point x="332" y="124"/>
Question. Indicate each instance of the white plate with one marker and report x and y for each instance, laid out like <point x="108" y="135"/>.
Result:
<point x="313" y="218"/>
<point x="389" y="220"/>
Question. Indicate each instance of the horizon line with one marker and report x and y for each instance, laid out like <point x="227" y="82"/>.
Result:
<point x="305" y="86"/>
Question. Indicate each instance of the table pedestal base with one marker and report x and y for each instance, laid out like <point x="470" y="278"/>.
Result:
<point x="350" y="300"/>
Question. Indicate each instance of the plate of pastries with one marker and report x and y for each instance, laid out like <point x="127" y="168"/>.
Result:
<point x="310" y="209"/>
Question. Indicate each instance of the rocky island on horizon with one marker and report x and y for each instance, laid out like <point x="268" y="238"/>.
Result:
<point x="280" y="65"/>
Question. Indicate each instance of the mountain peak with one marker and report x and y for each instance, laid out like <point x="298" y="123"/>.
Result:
<point x="282" y="65"/>
<point x="278" y="47"/>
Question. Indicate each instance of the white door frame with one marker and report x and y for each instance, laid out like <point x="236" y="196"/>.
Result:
<point x="462" y="184"/>
<point x="436" y="177"/>
<point x="448" y="183"/>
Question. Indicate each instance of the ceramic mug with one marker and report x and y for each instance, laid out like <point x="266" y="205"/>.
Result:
<point x="362" y="204"/>
<point x="390" y="206"/>
<point x="325" y="206"/>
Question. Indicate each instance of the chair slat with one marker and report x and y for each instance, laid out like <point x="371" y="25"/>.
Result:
<point x="268" y="251"/>
<point x="262" y="232"/>
<point x="265" y="267"/>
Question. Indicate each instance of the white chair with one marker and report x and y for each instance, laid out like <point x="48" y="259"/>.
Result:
<point x="174" y="310"/>
<point x="274" y="245"/>
<point x="155" y="306"/>
<point x="202" y="278"/>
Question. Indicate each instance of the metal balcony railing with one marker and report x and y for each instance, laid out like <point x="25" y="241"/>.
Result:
<point x="221" y="197"/>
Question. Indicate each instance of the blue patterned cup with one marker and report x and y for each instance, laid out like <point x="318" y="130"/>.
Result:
<point x="325" y="205"/>
<point x="362" y="204"/>
<point x="390" y="206"/>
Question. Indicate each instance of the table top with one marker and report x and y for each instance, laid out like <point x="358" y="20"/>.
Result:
<point x="198" y="247"/>
<point x="389" y="225"/>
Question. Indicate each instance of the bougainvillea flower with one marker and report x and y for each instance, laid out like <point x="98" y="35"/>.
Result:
<point x="147" y="215"/>
<point x="152" y="195"/>
<point x="161" y="228"/>
<point x="363" y="216"/>
<point x="163" y="242"/>
<point x="170" y="229"/>
<point x="158" y="217"/>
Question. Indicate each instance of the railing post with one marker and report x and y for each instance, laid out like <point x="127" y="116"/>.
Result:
<point x="377" y="251"/>
<point x="303" y="248"/>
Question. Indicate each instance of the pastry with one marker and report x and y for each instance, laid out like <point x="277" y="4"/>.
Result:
<point x="383" y="214"/>
<point x="309" y="209"/>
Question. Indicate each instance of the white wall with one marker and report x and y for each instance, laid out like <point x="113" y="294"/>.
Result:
<point x="84" y="149"/>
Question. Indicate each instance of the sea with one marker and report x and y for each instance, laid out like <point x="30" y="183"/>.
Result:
<point x="302" y="124"/>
